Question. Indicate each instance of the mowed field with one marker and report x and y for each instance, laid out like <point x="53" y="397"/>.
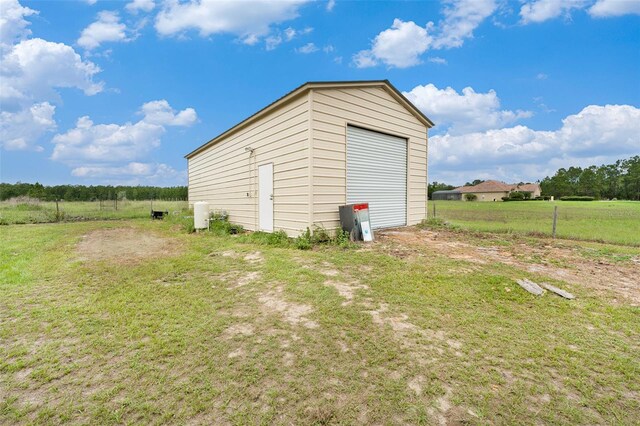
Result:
<point x="606" y="221"/>
<point x="138" y="322"/>
<point x="46" y="211"/>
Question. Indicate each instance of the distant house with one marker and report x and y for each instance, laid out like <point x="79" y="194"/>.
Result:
<point x="490" y="190"/>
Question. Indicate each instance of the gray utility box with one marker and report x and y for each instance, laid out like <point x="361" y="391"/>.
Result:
<point x="354" y="219"/>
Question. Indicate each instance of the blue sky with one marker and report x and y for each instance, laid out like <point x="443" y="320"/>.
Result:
<point x="117" y="92"/>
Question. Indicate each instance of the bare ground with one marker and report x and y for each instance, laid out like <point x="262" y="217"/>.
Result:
<point x="124" y="245"/>
<point x="550" y="258"/>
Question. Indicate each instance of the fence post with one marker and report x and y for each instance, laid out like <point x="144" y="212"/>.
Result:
<point x="57" y="211"/>
<point x="116" y="202"/>
<point x="434" y="210"/>
<point x="555" y="220"/>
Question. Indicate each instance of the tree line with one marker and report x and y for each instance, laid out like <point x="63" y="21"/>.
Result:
<point x="620" y="180"/>
<point x="91" y="193"/>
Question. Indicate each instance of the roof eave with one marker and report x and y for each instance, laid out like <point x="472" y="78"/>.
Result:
<point x="393" y="91"/>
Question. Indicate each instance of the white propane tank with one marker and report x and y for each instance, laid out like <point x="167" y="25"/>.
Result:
<point x="200" y="215"/>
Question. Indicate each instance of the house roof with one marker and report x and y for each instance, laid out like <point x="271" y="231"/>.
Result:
<point x="486" y="186"/>
<point x="385" y="84"/>
<point x="527" y="187"/>
<point x="497" y="186"/>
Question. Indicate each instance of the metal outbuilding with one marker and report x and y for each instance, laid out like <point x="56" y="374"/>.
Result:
<point x="324" y="144"/>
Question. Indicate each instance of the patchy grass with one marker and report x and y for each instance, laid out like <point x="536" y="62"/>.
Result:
<point x="604" y="221"/>
<point x="227" y="329"/>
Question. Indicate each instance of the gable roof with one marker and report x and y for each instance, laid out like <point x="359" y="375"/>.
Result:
<point x="385" y="84"/>
<point x="497" y="186"/>
<point x="527" y="187"/>
<point x="486" y="186"/>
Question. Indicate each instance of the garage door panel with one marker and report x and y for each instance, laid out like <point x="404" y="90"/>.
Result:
<point x="377" y="174"/>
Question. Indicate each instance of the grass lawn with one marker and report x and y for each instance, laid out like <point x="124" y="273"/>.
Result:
<point x="606" y="221"/>
<point x="44" y="212"/>
<point x="97" y="328"/>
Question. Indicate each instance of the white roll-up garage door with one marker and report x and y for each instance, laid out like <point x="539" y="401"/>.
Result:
<point x="377" y="174"/>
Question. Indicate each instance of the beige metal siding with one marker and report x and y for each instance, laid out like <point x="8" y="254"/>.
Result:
<point x="370" y="108"/>
<point x="225" y="174"/>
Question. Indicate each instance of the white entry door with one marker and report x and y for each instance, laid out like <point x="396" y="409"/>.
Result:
<point x="265" y="197"/>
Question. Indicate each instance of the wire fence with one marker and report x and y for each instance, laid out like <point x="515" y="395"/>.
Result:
<point x="606" y="221"/>
<point x="23" y="211"/>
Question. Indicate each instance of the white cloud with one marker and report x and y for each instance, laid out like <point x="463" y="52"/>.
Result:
<point x="464" y="112"/>
<point x="13" y="26"/>
<point x="272" y="42"/>
<point x="34" y="68"/>
<point x="461" y="18"/>
<point x="19" y="129"/>
<point x="289" y="33"/>
<point x="31" y="71"/>
<point x="399" y="46"/>
<point x="328" y="48"/>
<point x="542" y="10"/>
<point x="307" y="48"/>
<point x="109" y="143"/>
<point x="161" y="113"/>
<point x="133" y="173"/>
<point x="608" y="8"/>
<point x="596" y="134"/>
<point x="330" y="5"/>
<point x="250" y="22"/>
<point x="107" y="28"/>
<point x="91" y="2"/>
<point x="541" y="76"/>
<point x="140" y="5"/>
<point x="437" y="60"/>
<point x="402" y="45"/>
<point x="278" y="37"/>
<point x="116" y="152"/>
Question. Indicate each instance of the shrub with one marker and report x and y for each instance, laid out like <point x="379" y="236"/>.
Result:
<point x="343" y="239"/>
<point x="506" y="199"/>
<point x="470" y="197"/>
<point x="517" y="196"/>
<point x="303" y="242"/>
<point x="320" y="236"/>
<point x="577" y="198"/>
<point x="189" y="227"/>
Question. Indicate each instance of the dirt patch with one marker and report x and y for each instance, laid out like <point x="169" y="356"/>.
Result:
<point x="242" y="329"/>
<point x="124" y="245"/>
<point x="399" y="322"/>
<point x="255" y="257"/>
<point x="551" y="259"/>
<point x="416" y="385"/>
<point x="293" y="313"/>
<point x="346" y="290"/>
<point x="244" y="280"/>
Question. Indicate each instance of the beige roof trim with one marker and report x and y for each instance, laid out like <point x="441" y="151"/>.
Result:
<point x="385" y="84"/>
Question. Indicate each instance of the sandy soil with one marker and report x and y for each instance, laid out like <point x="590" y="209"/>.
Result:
<point x="124" y="245"/>
<point x="549" y="258"/>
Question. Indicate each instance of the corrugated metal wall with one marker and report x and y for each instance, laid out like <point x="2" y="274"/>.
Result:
<point x="377" y="174"/>
<point x="371" y="108"/>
